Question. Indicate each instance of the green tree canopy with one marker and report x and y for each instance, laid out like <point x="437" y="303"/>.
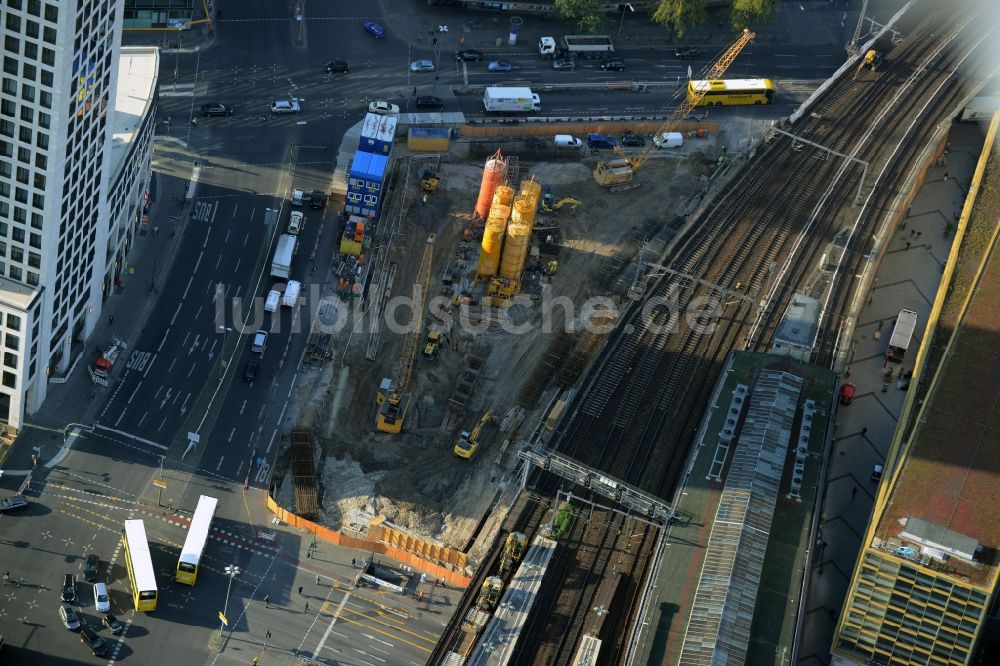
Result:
<point x="678" y="15"/>
<point x="751" y="12"/>
<point x="584" y="14"/>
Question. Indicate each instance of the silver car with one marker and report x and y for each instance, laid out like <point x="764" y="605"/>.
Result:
<point x="422" y="66"/>
<point x="285" y="106"/>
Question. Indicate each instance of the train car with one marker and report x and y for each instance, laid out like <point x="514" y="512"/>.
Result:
<point x="732" y="92"/>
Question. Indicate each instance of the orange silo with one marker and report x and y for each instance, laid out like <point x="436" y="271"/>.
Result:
<point x="493" y="174"/>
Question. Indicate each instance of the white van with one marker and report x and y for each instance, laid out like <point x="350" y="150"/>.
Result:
<point x="567" y="141"/>
<point x="668" y="140"/>
<point x="273" y="298"/>
<point x="292" y="293"/>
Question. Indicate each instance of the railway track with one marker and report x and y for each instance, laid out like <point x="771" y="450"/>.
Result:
<point x="636" y="417"/>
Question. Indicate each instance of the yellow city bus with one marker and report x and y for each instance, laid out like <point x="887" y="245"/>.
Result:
<point x="732" y="92"/>
<point x="197" y="537"/>
<point x="140" y="566"/>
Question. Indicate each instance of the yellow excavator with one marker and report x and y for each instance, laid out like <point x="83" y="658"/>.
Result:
<point x="618" y="173"/>
<point x="468" y="442"/>
<point x="392" y="400"/>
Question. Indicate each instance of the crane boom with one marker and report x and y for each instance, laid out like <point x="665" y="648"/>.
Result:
<point x="621" y="171"/>
<point x="392" y="398"/>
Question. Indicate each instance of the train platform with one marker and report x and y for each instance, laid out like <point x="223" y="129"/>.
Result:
<point x="822" y="539"/>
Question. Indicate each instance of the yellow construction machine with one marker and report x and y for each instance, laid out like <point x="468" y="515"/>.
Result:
<point x="490" y="592"/>
<point x="435" y="339"/>
<point x="392" y="400"/>
<point x="468" y="442"/>
<point x="618" y="173"/>
<point x="566" y="201"/>
<point x="513" y="549"/>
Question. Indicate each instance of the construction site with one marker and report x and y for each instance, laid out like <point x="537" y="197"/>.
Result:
<point x="515" y="281"/>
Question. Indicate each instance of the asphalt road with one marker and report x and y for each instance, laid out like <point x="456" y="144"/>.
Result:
<point x="184" y="374"/>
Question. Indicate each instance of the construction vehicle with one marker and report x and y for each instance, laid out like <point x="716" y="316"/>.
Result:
<point x="429" y="181"/>
<point x="435" y="340"/>
<point x="105" y="363"/>
<point x="513" y="549"/>
<point x="468" y="442"/>
<point x="870" y="61"/>
<point x="566" y="201"/>
<point x="619" y="173"/>
<point x="392" y="399"/>
<point x="490" y="592"/>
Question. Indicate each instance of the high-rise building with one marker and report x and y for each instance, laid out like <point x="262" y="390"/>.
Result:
<point x="62" y="194"/>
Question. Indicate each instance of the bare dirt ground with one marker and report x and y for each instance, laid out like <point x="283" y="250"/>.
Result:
<point x="413" y="479"/>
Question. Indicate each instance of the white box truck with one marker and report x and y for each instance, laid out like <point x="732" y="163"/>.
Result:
<point x="576" y="46"/>
<point x="498" y="99"/>
<point x="281" y="266"/>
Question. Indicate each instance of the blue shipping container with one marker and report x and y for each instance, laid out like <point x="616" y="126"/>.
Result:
<point x="377" y="134"/>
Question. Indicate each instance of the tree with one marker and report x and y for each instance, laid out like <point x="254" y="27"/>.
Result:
<point x="743" y="13"/>
<point x="584" y="14"/>
<point x="677" y="15"/>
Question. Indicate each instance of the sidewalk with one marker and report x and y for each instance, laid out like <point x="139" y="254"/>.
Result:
<point x="198" y="37"/>
<point x="146" y="264"/>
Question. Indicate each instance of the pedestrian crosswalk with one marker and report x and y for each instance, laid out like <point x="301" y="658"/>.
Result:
<point x="177" y="89"/>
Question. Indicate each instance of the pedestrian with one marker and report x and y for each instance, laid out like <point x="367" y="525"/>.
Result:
<point x="307" y="606"/>
<point x="919" y="234"/>
<point x="907" y="245"/>
<point x="900" y="374"/>
<point x="6" y="577"/>
<point x="414" y="91"/>
<point x="317" y="579"/>
<point x="354" y="562"/>
<point x="854" y="491"/>
<point x="194" y="121"/>
<point x="885" y="387"/>
<point x="912" y="232"/>
<point x="156" y="230"/>
<point x="300" y="591"/>
<point x="111" y="320"/>
<point x="864" y="431"/>
<point x="267" y="601"/>
<point x="946" y="176"/>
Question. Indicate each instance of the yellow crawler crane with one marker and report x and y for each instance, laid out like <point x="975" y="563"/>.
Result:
<point x="618" y="173"/>
<point x="392" y="399"/>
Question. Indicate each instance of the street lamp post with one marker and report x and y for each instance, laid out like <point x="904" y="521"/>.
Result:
<point x="232" y="571"/>
<point x="621" y="26"/>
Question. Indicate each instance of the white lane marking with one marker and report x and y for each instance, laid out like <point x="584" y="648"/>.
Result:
<point x="245" y="240"/>
<point x="333" y="621"/>
<point x="162" y="423"/>
<point x="150" y="366"/>
<point x="200" y="308"/>
<point x="176" y="312"/>
<point x="237" y="269"/>
<point x="136" y="438"/>
<point x="194" y="345"/>
<point x="198" y="263"/>
<point x="231" y="433"/>
<point x="243" y="406"/>
<point x="170" y="369"/>
<point x="144" y="415"/>
<point x="240" y="469"/>
<point x="184" y="406"/>
<point x="271" y="441"/>
<point x="120" y="417"/>
<point x="191" y="370"/>
<point x="166" y="398"/>
<point x="219" y="466"/>
<point x="211" y="352"/>
<point x="186" y="337"/>
<point x="163" y="340"/>
<point x="137" y="386"/>
<point x="185" y="294"/>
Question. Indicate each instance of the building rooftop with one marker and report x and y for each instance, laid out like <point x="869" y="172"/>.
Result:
<point x="946" y="499"/>
<point x="138" y="69"/>
<point x="16" y="294"/>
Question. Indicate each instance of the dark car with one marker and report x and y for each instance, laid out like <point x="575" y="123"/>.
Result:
<point x="374" y="29"/>
<point x="468" y="55"/>
<point x="13" y="503"/>
<point x="564" y="65"/>
<point x="69" y="588"/>
<point x="90" y="638"/>
<point x="69" y="617"/>
<point x="216" y="109"/>
<point x="429" y="102"/>
<point x="317" y="200"/>
<point x="687" y="53"/>
<point x="90" y="567"/>
<point x="250" y="374"/>
<point x="337" y="67"/>
<point x="112" y="623"/>
<point x="613" y="65"/>
<point x="600" y="142"/>
<point x="633" y="140"/>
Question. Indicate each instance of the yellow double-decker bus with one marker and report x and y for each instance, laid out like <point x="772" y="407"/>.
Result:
<point x="732" y="92"/>
<point x="197" y="537"/>
<point x="140" y="566"/>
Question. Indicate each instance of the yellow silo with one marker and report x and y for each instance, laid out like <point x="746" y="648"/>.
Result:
<point x="489" y="255"/>
<point x="515" y="250"/>
<point x="504" y="194"/>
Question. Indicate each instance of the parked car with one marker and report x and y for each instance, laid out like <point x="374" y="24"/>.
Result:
<point x="600" y="142"/>
<point x="668" y="140"/>
<point x="69" y="617"/>
<point x="272" y="300"/>
<point x="374" y="29"/>
<point x="90" y="567"/>
<point x="259" y="342"/>
<point x="564" y="64"/>
<point x="500" y="66"/>
<point x="687" y="53"/>
<point x="13" y="503"/>
<point x="216" y="109"/>
<point x="102" y="602"/>
<point x="847" y="393"/>
<point x="468" y="55"/>
<point x="613" y="65"/>
<point x="429" y="102"/>
<point x="877" y="473"/>
<point x="383" y="108"/>
<point x="89" y="637"/>
<point x="422" y="66"/>
<point x="337" y="67"/>
<point x="285" y="106"/>
<point x="295" y="224"/>
<point x="567" y="141"/>
<point x="113" y="623"/>
<point x="69" y="588"/>
<point x="633" y="140"/>
<point x="250" y="373"/>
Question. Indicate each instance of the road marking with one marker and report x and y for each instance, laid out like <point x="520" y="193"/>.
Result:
<point x="239" y="469"/>
<point x="245" y="240"/>
<point x="120" y="417"/>
<point x="274" y="433"/>
<point x="190" y="280"/>
<point x="176" y="312"/>
<point x="262" y="472"/>
<point x="237" y="269"/>
<point x="231" y="433"/>
<point x="194" y="345"/>
<point x="184" y="406"/>
<point x="136" y="438"/>
<point x="165" y="398"/>
<point x="219" y="466"/>
<point x="144" y="415"/>
<point x="211" y="352"/>
<point x="170" y="369"/>
<point x="326" y="634"/>
<point x="184" y="343"/>
<point x="162" y="423"/>
<point x="198" y="313"/>
<point x="198" y="263"/>
<point x="243" y="406"/>
<point x="137" y="386"/>
<point x="150" y="366"/>
<point x="163" y="341"/>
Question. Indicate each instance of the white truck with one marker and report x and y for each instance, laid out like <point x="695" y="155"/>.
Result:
<point x="583" y="46"/>
<point x="281" y="266"/>
<point x="498" y="99"/>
